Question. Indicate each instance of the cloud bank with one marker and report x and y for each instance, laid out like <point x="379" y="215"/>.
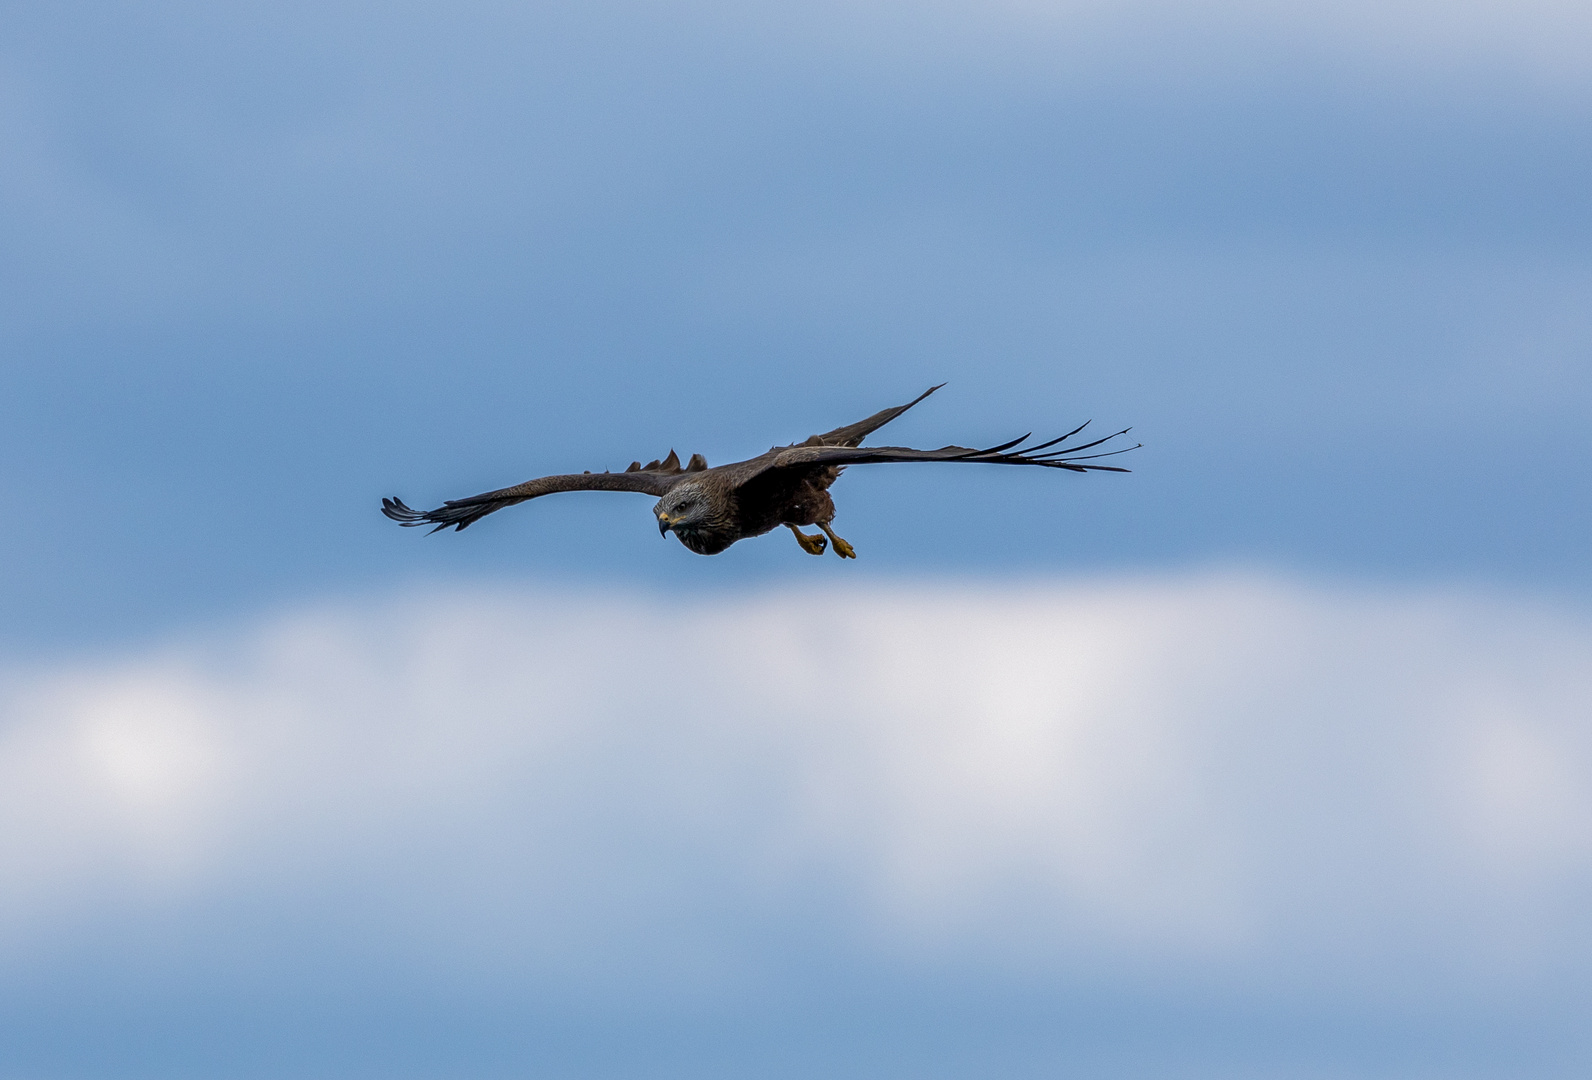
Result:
<point x="1234" y="776"/>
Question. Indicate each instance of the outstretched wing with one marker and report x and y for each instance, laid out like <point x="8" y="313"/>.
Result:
<point x="1051" y="455"/>
<point x="655" y="478"/>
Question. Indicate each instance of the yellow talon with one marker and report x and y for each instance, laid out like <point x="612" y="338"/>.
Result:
<point x="843" y="549"/>
<point x="813" y="545"/>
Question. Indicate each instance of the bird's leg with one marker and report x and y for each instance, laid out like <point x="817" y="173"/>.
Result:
<point x="843" y="549"/>
<point x="813" y="545"/>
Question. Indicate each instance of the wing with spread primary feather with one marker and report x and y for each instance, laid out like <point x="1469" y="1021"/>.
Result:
<point x="1050" y="455"/>
<point x="655" y="479"/>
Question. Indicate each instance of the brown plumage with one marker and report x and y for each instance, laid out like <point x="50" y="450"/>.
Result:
<point x="710" y="509"/>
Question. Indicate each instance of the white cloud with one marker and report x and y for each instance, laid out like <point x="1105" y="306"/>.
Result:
<point x="1393" y="789"/>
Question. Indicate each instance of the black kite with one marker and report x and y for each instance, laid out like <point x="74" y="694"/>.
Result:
<point x="710" y="509"/>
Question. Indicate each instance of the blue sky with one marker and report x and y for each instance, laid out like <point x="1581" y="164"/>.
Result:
<point x="275" y="261"/>
<point x="268" y="263"/>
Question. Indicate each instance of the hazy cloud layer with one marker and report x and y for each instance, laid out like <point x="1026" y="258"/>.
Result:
<point x="168" y="160"/>
<point x="1168" y="785"/>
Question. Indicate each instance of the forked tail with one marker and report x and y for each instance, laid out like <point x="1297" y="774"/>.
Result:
<point x="853" y="434"/>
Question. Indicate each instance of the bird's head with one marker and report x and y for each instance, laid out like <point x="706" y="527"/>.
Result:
<point x="700" y="516"/>
<point x="685" y="509"/>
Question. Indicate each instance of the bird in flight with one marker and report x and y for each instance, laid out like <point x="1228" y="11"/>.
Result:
<point x="710" y="509"/>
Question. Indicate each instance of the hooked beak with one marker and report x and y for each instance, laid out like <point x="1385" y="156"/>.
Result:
<point x="663" y="524"/>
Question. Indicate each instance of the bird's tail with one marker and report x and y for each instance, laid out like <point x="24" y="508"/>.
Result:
<point x="853" y="434"/>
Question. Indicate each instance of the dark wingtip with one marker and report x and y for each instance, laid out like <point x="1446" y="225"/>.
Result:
<point x="1069" y="458"/>
<point x="441" y="518"/>
<point x="395" y="509"/>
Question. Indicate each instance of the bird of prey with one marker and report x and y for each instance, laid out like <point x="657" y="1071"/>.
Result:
<point x="710" y="509"/>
